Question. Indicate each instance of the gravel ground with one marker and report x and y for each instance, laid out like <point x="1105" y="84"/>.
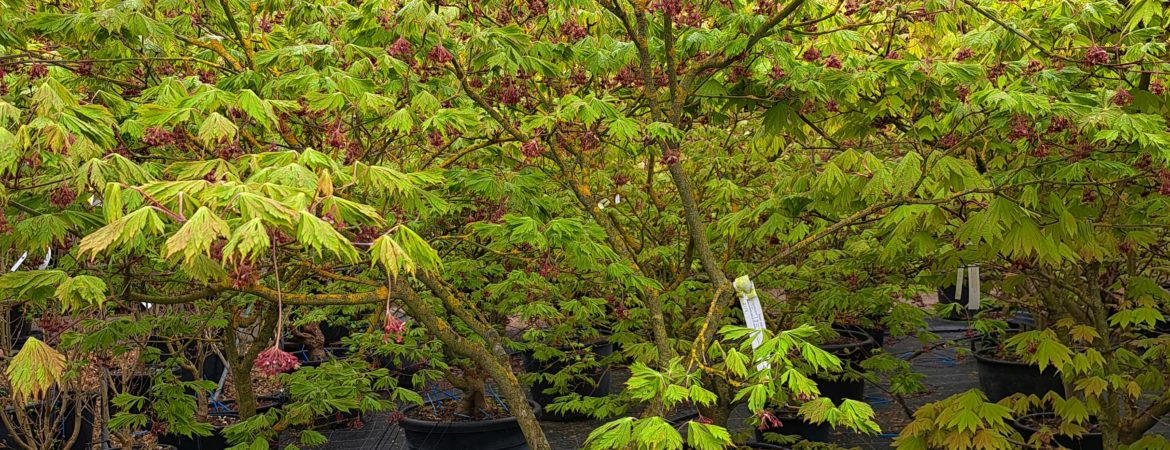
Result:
<point x="947" y="372"/>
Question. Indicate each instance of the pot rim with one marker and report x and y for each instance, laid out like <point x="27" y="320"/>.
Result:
<point x="469" y="425"/>
<point x="981" y="357"/>
<point x="1020" y="424"/>
<point x="865" y="343"/>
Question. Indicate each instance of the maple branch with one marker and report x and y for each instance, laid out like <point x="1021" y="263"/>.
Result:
<point x="715" y="64"/>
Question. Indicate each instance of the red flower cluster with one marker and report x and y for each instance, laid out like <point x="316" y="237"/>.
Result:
<point x="400" y="48"/>
<point x="572" y="31"/>
<point x="1157" y="88"/>
<point x="62" y="196"/>
<point x="1096" y="56"/>
<point x="1122" y="97"/>
<point x="532" y="148"/>
<point x="768" y="420"/>
<point x="671" y="156"/>
<point x="812" y="54"/>
<point x="393" y="326"/>
<point x="439" y="55"/>
<point x="275" y="361"/>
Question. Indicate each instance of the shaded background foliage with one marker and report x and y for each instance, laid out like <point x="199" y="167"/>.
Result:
<point x="583" y="164"/>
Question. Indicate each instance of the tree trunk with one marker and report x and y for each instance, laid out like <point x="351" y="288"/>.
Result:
<point x="720" y="411"/>
<point x="240" y="369"/>
<point x="241" y="359"/>
<point x="474" y="402"/>
<point x="507" y="383"/>
<point x="314" y="341"/>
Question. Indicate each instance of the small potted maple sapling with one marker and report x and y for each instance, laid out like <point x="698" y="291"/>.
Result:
<point x="570" y="361"/>
<point x="565" y="354"/>
<point x="44" y="401"/>
<point x="844" y="381"/>
<point x="772" y="374"/>
<point x="1004" y="369"/>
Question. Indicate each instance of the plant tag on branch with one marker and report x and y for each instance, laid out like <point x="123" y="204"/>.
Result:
<point x="972" y="285"/>
<point x="753" y="313"/>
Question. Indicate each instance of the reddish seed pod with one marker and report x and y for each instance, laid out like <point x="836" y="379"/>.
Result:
<point x="37" y="70"/>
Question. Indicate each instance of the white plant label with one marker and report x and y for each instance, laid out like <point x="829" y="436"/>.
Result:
<point x="19" y="262"/>
<point x="972" y="285"/>
<point x="753" y="313"/>
<point x="24" y="256"/>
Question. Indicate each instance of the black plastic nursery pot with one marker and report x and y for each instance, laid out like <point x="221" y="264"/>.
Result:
<point x="859" y="347"/>
<point x="838" y="387"/>
<point x="138" y="383"/>
<point x="263" y="404"/>
<point x="492" y="434"/>
<point x="215" y="441"/>
<point x="1028" y="425"/>
<point x="792" y="424"/>
<point x="308" y="361"/>
<point x="67" y="416"/>
<point x="18" y="326"/>
<point x="597" y="386"/>
<point x="764" y="446"/>
<point x="876" y="332"/>
<point x="999" y="378"/>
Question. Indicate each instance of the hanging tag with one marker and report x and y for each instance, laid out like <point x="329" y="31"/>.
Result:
<point x="753" y="314"/>
<point x="19" y="262"/>
<point x="959" y="285"/>
<point x="617" y="199"/>
<point x="48" y="257"/>
<point x="973" y="287"/>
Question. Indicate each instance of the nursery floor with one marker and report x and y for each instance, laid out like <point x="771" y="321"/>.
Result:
<point x="947" y="372"/>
